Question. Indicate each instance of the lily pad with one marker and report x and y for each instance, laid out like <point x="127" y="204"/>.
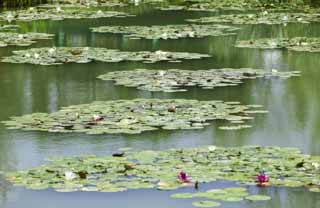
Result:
<point x="175" y="80"/>
<point x="16" y="39"/>
<point x="260" y="18"/>
<point x="64" y="55"/>
<point x="130" y="116"/>
<point x="160" y="170"/>
<point x="258" y="198"/>
<point x="58" y="13"/>
<point x="295" y="44"/>
<point x="168" y="31"/>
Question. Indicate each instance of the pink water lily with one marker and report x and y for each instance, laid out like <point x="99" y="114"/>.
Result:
<point x="262" y="178"/>
<point x="183" y="177"/>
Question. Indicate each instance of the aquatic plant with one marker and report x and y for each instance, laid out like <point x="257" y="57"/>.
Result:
<point x="168" y="31"/>
<point x="65" y="55"/>
<point x="19" y="39"/>
<point x="308" y="44"/>
<point x="57" y="13"/>
<point x="158" y="169"/>
<point x="134" y="116"/>
<point x="260" y="18"/>
<point x="175" y="80"/>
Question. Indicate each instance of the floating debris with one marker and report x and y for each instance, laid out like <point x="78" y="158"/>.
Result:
<point x="18" y="39"/>
<point x="169" y="31"/>
<point x="260" y="18"/>
<point x="57" y="13"/>
<point x="158" y="169"/>
<point x="64" y="55"/>
<point x="132" y="116"/>
<point x="294" y="44"/>
<point x="175" y="80"/>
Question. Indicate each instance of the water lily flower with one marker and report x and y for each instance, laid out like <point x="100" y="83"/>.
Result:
<point x="265" y="12"/>
<point x="99" y="12"/>
<point x="36" y="55"/>
<point x="183" y="177"/>
<point x="58" y="9"/>
<point x="28" y="55"/>
<point x="20" y="36"/>
<point x="212" y="148"/>
<point x="161" y="73"/>
<point x="164" y="36"/>
<point x="285" y="18"/>
<point x="274" y="71"/>
<point x="262" y="179"/>
<point x="136" y="2"/>
<point x="69" y="175"/>
<point x="191" y="34"/>
<point x="97" y="117"/>
<point x="52" y="50"/>
<point x="160" y="53"/>
<point x="300" y="19"/>
<point x="10" y="17"/>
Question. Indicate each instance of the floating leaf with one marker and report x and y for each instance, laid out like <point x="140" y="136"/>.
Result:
<point x="258" y="198"/>
<point x="169" y="31"/>
<point x="64" y="55"/>
<point x="175" y="80"/>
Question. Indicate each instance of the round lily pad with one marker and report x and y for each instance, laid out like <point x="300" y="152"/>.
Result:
<point x="258" y="198"/>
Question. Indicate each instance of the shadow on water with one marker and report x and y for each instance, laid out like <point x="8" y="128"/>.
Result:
<point x="293" y="118"/>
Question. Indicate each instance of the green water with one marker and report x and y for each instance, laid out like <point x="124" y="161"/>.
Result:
<point x="293" y="119"/>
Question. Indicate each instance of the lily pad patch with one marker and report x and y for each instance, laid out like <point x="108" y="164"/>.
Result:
<point x="159" y="169"/>
<point x="64" y="55"/>
<point x="175" y="80"/>
<point x="18" y="39"/>
<point x="294" y="44"/>
<point x="168" y="31"/>
<point x="260" y="18"/>
<point x="131" y="117"/>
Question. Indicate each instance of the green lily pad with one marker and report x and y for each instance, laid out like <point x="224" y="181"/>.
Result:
<point x="16" y="39"/>
<point x="64" y="55"/>
<point x="131" y="117"/>
<point x="258" y="198"/>
<point x="175" y="80"/>
<point x="168" y="31"/>
<point x="206" y="204"/>
<point x="260" y="18"/>
<point x="57" y="13"/>
<point x="294" y="44"/>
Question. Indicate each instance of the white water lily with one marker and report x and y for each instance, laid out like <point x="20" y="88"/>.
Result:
<point x="161" y="73"/>
<point x="10" y="17"/>
<point x="99" y="12"/>
<point x="58" y="9"/>
<point x="250" y="16"/>
<point x="31" y="9"/>
<point x="212" y="148"/>
<point x="69" y="175"/>
<point x="28" y="55"/>
<point x="300" y="19"/>
<point x="160" y="53"/>
<point x="274" y="71"/>
<point x="285" y="18"/>
<point x="20" y="36"/>
<point x="164" y="36"/>
<point x="191" y="34"/>
<point x="136" y="2"/>
<point x="265" y="12"/>
<point x="96" y="117"/>
<point x="36" y="55"/>
<point x="315" y="165"/>
<point x="52" y="50"/>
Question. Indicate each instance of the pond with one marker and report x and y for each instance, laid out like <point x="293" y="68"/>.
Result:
<point x="293" y="104"/>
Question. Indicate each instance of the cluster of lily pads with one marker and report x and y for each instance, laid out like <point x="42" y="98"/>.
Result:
<point x="230" y="194"/>
<point x="214" y="5"/>
<point x="174" y="80"/>
<point x="135" y="116"/>
<point x="169" y="31"/>
<point x="87" y="3"/>
<point x="260" y="18"/>
<point x="8" y="28"/>
<point x="64" y="55"/>
<point x="57" y="13"/>
<point x="159" y="169"/>
<point x="18" y="39"/>
<point x="295" y="44"/>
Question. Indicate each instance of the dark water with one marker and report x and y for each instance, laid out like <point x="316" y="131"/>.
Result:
<point x="293" y="119"/>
